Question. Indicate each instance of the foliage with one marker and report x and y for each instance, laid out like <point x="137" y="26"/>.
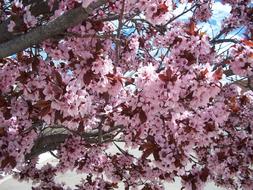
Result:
<point x="80" y="77"/>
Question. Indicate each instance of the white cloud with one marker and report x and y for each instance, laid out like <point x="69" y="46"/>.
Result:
<point x="220" y="12"/>
<point x="181" y="8"/>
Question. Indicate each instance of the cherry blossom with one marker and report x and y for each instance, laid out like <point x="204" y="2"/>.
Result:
<point x="129" y="93"/>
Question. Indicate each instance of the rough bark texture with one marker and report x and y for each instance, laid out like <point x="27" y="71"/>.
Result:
<point x="39" y="34"/>
<point x="37" y="8"/>
<point x="52" y="141"/>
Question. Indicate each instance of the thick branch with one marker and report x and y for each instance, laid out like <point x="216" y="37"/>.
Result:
<point x="46" y="143"/>
<point x="219" y="41"/>
<point x="228" y="73"/>
<point x="37" y="8"/>
<point x="57" y="26"/>
<point x="51" y="142"/>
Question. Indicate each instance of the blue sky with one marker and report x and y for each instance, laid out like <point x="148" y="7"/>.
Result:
<point x="220" y="11"/>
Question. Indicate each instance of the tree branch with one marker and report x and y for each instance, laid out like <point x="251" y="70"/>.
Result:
<point x="181" y="14"/>
<point x="219" y="41"/>
<point x="51" y="142"/>
<point x="121" y="16"/>
<point x="37" y="8"/>
<point x="57" y="26"/>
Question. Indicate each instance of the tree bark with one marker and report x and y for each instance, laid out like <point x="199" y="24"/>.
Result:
<point x="37" y="7"/>
<point x="52" y="142"/>
<point x="41" y="33"/>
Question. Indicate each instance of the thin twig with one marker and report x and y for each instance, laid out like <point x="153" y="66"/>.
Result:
<point x="184" y="12"/>
<point x="121" y="16"/>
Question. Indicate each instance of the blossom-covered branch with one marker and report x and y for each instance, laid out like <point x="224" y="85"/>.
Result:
<point x="51" y="29"/>
<point x="133" y="93"/>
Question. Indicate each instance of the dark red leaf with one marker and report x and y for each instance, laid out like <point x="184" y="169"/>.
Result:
<point x="57" y="90"/>
<point x="150" y="147"/>
<point x="15" y="9"/>
<point x="189" y="96"/>
<point x="142" y="116"/>
<point x="168" y="76"/>
<point x="113" y="79"/>
<point x="45" y="111"/>
<point x="221" y="156"/>
<point x="209" y="127"/>
<point x="141" y="42"/>
<point x="202" y="74"/>
<point x="147" y="187"/>
<point x="105" y="96"/>
<point x="161" y="9"/>
<point x="204" y="173"/>
<point x="169" y="72"/>
<point x="244" y="100"/>
<point x="177" y="40"/>
<point x="24" y="76"/>
<point x="218" y="74"/>
<point x="248" y="42"/>
<point x="189" y="56"/>
<point x="146" y="153"/>
<point x="129" y="81"/>
<point x="2" y="131"/>
<point x="97" y="25"/>
<point x="163" y="77"/>
<point x="191" y="28"/>
<point x="7" y="114"/>
<point x="3" y="102"/>
<point x="9" y="160"/>
<point x="194" y="186"/>
<point x="88" y="77"/>
<point x="35" y="64"/>
<point x="177" y="162"/>
<point x="156" y="154"/>
<point x="57" y="77"/>
<point x="71" y="54"/>
<point x="42" y="104"/>
<point x="137" y="135"/>
<point x="233" y="104"/>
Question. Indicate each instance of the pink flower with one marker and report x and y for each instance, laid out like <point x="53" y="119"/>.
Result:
<point x="11" y="26"/>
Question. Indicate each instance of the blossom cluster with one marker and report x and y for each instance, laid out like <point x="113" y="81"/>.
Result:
<point x="133" y="78"/>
